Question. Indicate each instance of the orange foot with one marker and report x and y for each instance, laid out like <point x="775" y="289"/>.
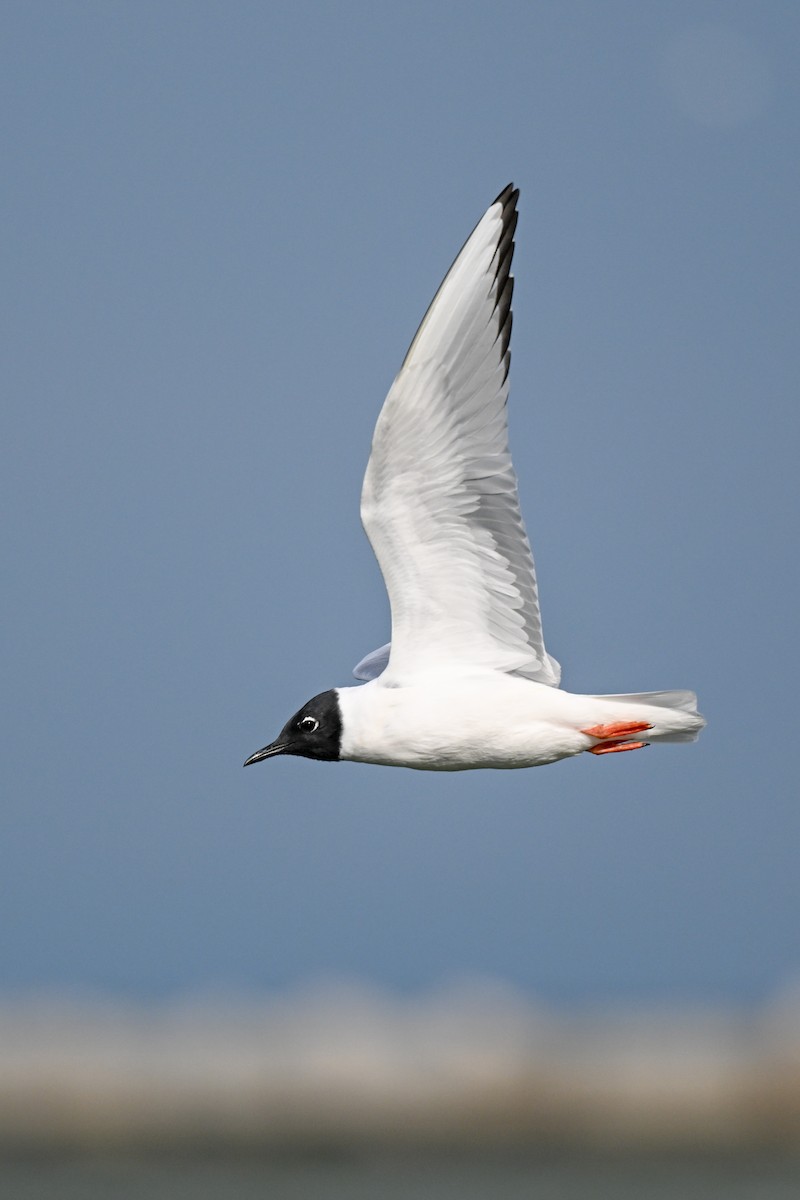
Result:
<point x="617" y="747"/>
<point x="618" y="729"/>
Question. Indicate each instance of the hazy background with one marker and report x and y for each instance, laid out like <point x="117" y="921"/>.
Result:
<point x="222" y="224"/>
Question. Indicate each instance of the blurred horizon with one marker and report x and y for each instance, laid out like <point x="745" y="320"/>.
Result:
<point x="473" y="1068"/>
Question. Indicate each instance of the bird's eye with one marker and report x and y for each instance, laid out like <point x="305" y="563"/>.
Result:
<point x="308" y="724"/>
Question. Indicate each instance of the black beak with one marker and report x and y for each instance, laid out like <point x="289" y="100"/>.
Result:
<point x="267" y="752"/>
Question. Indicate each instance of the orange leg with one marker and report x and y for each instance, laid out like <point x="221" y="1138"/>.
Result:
<point x="617" y="747"/>
<point x="618" y="729"/>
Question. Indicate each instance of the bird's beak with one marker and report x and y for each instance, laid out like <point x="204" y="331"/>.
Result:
<point x="267" y="752"/>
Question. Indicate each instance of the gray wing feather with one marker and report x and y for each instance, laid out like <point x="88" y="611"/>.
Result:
<point x="374" y="664"/>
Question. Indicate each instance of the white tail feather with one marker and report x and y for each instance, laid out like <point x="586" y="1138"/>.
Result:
<point x="685" y="701"/>
<point x="666" y="730"/>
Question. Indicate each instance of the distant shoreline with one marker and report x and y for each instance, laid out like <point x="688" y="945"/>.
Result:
<point x="342" y="1070"/>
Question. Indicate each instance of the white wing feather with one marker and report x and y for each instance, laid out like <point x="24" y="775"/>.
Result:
<point x="439" y="502"/>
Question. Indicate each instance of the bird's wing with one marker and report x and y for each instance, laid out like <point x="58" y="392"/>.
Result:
<point x="373" y="664"/>
<point x="439" y="502"/>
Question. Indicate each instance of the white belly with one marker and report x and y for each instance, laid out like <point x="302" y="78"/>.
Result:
<point x="495" y="721"/>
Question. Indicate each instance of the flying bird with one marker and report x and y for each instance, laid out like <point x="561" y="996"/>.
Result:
<point x="466" y="681"/>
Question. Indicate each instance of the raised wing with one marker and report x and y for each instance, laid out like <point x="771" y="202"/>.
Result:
<point x="439" y="502"/>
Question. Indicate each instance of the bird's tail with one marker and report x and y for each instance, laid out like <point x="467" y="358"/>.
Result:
<point x="673" y="715"/>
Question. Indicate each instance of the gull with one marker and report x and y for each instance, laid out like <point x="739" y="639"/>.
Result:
<point x="466" y="681"/>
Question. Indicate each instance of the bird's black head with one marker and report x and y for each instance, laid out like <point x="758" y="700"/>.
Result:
<point x="313" y="732"/>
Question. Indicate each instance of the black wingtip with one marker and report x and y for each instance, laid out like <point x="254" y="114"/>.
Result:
<point x="504" y="280"/>
<point x="508" y="199"/>
<point x="509" y="195"/>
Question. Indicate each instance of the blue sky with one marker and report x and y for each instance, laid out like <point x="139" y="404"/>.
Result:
<point x="222" y="224"/>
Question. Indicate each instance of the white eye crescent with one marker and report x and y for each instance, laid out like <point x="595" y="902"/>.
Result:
<point x="308" y="724"/>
